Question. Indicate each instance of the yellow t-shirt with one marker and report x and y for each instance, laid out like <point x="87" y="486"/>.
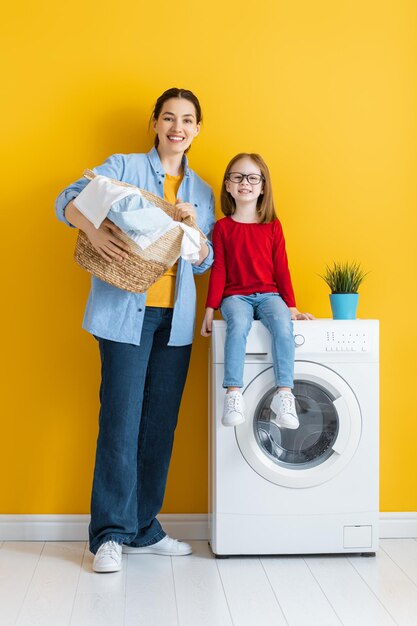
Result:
<point x="162" y="292"/>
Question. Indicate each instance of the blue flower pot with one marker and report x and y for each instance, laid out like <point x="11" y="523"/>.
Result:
<point x="344" y="305"/>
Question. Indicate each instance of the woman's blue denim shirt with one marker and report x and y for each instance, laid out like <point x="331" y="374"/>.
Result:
<point x="115" y="314"/>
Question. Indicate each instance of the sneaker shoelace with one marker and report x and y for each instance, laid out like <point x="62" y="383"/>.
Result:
<point x="172" y="542"/>
<point x="233" y="402"/>
<point x="287" y="402"/>
<point x="110" y="547"/>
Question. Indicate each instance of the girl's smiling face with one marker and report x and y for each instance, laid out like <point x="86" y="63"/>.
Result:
<point x="245" y="192"/>
<point x="176" y="126"/>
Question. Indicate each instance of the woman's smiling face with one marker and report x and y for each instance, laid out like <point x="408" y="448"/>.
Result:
<point x="176" y="126"/>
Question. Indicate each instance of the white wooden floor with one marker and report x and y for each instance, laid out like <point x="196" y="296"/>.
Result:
<point x="51" y="584"/>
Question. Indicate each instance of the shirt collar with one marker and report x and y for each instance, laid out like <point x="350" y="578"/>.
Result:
<point x="156" y="164"/>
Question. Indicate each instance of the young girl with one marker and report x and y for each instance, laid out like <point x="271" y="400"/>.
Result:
<point x="250" y="280"/>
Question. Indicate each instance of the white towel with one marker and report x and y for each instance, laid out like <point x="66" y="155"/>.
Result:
<point x="141" y="220"/>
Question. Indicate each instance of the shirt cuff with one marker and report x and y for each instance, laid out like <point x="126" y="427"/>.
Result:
<point x="61" y="203"/>
<point x="208" y="261"/>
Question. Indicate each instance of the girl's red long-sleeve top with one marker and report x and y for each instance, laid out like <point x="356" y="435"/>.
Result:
<point x="249" y="258"/>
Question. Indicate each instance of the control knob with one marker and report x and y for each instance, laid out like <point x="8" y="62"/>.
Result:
<point x="299" y="340"/>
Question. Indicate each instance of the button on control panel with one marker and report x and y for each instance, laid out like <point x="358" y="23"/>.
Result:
<point x="346" y="341"/>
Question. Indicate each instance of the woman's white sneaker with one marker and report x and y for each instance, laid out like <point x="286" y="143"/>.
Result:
<point x="283" y="405"/>
<point x="165" y="547"/>
<point x="233" y="409"/>
<point x="108" y="558"/>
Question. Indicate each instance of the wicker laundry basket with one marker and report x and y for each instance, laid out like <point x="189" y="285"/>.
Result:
<point x="141" y="268"/>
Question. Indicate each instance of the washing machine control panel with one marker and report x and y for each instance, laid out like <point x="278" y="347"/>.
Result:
<point x="346" y="341"/>
<point x="339" y="341"/>
<point x="358" y="338"/>
<point x="331" y="340"/>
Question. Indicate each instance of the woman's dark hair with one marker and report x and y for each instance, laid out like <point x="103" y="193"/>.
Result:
<point x="174" y="92"/>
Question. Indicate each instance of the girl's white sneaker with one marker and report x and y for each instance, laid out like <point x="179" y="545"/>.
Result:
<point x="283" y="405"/>
<point x="233" y="409"/>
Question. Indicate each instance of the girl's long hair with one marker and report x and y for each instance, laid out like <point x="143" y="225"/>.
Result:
<point x="175" y="92"/>
<point x="265" y="206"/>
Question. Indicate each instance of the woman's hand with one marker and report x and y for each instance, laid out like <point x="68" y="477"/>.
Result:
<point x="207" y="322"/>
<point x="183" y="210"/>
<point x="296" y="315"/>
<point x="106" y="240"/>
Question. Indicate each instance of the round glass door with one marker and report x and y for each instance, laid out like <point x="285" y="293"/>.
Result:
<point x="326" y="440"/>
<point x="311" y="443"/>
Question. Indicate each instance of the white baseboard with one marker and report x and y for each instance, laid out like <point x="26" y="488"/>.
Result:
<point x="398" y="525"/>
<point x="44" y="527"/>
<point x="75" y="527"/>
<point x="191" y="527"/>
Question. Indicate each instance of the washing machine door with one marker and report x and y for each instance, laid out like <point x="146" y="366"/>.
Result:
<point x="326" y="440"/>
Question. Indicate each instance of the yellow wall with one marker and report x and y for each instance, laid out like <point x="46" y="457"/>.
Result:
<point x="324" y="90"/>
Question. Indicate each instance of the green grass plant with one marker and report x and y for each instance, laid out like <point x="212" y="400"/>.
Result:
<point x="344" y="277"/>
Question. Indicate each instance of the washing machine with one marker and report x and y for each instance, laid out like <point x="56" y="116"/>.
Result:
<point x="304" y="491"/>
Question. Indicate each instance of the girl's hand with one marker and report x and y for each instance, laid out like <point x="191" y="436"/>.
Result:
<point x="207" y="322"/>
<point x="296" y="315"/>
<point x="183" y="210"/>
<point x="107" y="242"/>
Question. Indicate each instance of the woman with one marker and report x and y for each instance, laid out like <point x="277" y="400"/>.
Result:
<point x="145" y="344"/>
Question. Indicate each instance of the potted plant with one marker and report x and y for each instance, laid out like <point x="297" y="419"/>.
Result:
<point x="344" y="280"/>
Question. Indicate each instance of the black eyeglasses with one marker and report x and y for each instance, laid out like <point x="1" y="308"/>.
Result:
<point x="238" y="177"/>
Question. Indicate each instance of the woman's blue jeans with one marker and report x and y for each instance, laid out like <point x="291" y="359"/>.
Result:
<point x="271" y="310"/>
<point x="140" y="395"/>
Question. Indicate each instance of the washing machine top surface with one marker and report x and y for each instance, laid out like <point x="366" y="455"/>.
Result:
<point x="320" y="340"/>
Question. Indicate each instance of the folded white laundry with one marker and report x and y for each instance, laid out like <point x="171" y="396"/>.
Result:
<point x="145" y="226"/>
<point x="136" y="216"/>
<point x="97" y="197"/>
<point x="190" y="244"/>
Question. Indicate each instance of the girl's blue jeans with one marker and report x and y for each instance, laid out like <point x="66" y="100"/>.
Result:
<point x="140" y="396"/>
<point x="271" y="310"/>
